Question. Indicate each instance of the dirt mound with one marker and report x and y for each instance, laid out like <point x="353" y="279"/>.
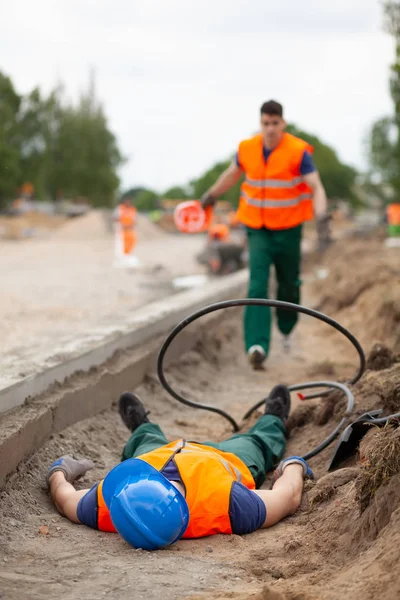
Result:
<point x="380" y="389"/>
<point x="92" y="225"/>
<point x="380" y="461"/>
<point x="380" y="358"/>
<point x="362" y="291"/>
<point x="97" y="224"/>
<point x="356" y="509"/>
<point x="29" y="224"/>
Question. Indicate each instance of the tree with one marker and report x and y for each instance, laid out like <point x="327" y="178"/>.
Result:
<point x="147" y="200"/>
<point x="10" y="103"/>
<point x="132" y="193"/>
<point x="39" y="125"/>
<point x="176" y="193"/>
<point x="56" y="146"/>
<point x="85" y="152"/>
<point x="337" y="177"/>
<point x="384" y="137"/>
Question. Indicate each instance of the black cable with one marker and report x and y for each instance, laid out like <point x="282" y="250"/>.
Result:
<point x="277" y="304"/>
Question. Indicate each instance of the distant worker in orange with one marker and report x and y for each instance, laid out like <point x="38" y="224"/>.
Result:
<point x="125" y="216"/>
<point x="218" y="232"/>
<point x="281" y="190"/>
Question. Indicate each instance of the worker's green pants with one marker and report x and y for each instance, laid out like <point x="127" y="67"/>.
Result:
<point x="260" y="449"/>
<point x="282" y="248"/>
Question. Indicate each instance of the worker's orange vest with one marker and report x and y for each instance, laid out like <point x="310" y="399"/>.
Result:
<point x="207" y="475"/>
<point x="273" y="194"/>
<point x="393" y="214"/>
<point x="126" y="215"/>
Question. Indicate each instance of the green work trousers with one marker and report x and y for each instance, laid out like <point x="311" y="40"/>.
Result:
<point x="281" y="248"/>
<point x="260" y="449"/>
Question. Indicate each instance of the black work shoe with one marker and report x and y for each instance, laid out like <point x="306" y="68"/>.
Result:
<point x="132" y="411"/>
<point x="278" y="402"/>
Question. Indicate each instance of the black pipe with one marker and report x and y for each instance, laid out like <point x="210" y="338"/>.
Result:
<point x="277" y="304"/>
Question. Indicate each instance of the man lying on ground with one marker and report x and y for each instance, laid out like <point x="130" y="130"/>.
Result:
<point x="163" y="491"/>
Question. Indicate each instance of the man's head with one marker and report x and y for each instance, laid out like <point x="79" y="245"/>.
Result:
<point x="272" y="123"/>
<point x="146" y="509"/>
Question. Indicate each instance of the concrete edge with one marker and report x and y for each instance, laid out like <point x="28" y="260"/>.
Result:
<point x="154" y="319"/>
<point x="90" y="383"/>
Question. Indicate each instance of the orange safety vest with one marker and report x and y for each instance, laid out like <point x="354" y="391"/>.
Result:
<point x="126" y="215"/>
<point x="207" y="475"/>
<point x="273" y="194"/>
<point x="393" y="214"/>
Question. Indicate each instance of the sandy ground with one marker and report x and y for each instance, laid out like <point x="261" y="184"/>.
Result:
<point x="62" y="291"/>
<point x="328" y="550"/>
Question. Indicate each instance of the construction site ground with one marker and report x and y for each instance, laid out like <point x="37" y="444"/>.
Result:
<point x="340" y="542"/>
<point x="61" y="292"/>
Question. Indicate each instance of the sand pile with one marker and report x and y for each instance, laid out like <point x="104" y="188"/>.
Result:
<point x="31" y="224"/>
<point x="92" y="225"/>
<point x="98" y="224"/>
<point x="362" y="290"/>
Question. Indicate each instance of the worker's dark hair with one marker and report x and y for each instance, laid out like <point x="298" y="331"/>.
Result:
<point x="272" y="108"/>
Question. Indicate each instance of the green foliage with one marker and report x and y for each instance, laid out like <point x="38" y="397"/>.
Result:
<point x="337" y="177"/>
<point x="132" y="193"/>
<point x="384" y="136"/>
<point x="146" y="200"/>
<point x="86" y="153"/>
<point x="201" y="185"/>
<point x="58" y="147"/>
<point x="10" y="103"/>
<point x="143" y="198"/>
<point x="176" y="193"/>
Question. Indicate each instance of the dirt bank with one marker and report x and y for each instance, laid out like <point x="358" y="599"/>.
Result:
<point x="362" y="290"/>
<point x="334" y="546"/>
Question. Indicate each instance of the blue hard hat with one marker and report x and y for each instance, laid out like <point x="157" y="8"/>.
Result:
<point x="145" y="508"/>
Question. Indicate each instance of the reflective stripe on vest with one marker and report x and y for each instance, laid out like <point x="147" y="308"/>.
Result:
<point x="275" y="203"/>
<point x="274" y="183"/>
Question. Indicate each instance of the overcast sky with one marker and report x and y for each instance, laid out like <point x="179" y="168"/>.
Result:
<point x="182" y="81"/>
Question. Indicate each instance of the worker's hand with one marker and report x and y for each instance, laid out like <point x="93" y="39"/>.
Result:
<point x="292" y="460"/>
<point x="323" y="223"/>
<point x="207" y="200"/>
<point x="71" y="468"/>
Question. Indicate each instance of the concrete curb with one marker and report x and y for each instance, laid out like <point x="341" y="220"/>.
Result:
<point x="89" y="383"/>
<point x="155" y="319"/>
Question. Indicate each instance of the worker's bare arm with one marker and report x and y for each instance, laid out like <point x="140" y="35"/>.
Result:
<point x="65" y="496"/>
<point x="285" y="497"/>
<point x="319" y="195"/>
<point x="226" y="180"/>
